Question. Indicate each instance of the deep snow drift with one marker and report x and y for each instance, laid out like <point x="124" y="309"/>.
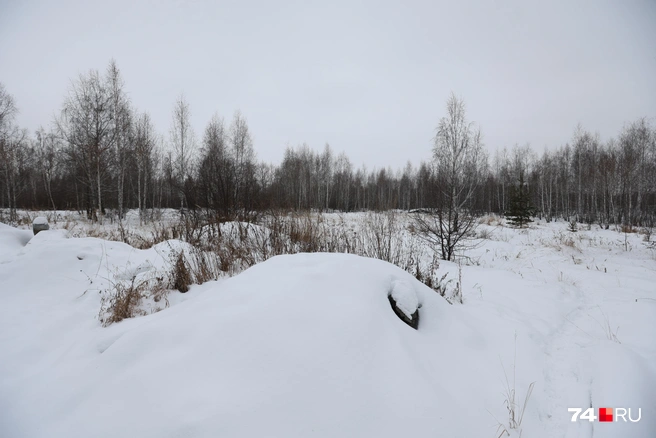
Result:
<point x="308" y="345"/>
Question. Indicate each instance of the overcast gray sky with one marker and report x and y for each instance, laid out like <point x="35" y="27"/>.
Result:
<point x="369" y="77"/>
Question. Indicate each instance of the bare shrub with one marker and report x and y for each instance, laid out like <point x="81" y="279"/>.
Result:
<point x="192" y="227"/>
<point x="561" y="239"/>
<point x="440" y="285"/>
<point x="449" y="236"/>
<point x="202" y="266"/>
<point x="489" y="219"/>
<point x="122" y="303"/>
<point x="304" y="233"/>
<point x="628" y="229"/>
<point x="569" y="242"/>
<point x="484" y="233"/>
<point x="181" y="276"/>
<point x="379" y="234"/>
<point x="220" y="248"/>
<point x="123" y="299"/>
<point x="161" y="233"/>
<point x="230" y="247"/>
<point x="430" y="277"/>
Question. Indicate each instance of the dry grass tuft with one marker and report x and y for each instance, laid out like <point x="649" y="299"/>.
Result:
<point x="181" y="275"/>
<point x="628" y="229"/>
<point x="123" y="300"/>
<point x="609" y="332"/>
<point x="515" y="408"/>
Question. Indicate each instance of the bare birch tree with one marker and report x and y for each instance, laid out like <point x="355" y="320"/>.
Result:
<point x="459" y="162"/>
<point x="48" y="148"/>
<point x="243" y="156"/>
<point x="183" y="142"/>
<point x="121" y="117"/>
<point x="86" y="125"/>
<point x="144" y="146"/>
<point x="8" y="146"/>
<point x="12" y="153"/>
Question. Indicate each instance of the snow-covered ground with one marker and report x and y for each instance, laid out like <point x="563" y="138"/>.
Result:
<point x="308" y="345"/>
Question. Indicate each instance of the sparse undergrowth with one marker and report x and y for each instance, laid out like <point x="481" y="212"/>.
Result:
<point x="123" y="299"/>
<point x="224" y="248"/>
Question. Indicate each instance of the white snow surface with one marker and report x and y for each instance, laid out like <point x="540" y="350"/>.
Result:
<point x="404" y="295"/>
<point x="308" y="345"/>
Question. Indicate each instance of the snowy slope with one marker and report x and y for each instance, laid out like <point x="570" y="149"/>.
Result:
<point x="308" y="345"/>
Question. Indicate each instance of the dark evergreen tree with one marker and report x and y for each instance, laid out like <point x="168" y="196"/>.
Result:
<point x="520" y="208"/>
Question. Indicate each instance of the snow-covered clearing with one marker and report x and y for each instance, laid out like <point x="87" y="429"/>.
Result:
<point x="308" y="345"/>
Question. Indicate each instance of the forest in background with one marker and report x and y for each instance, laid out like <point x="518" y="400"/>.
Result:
<point x="102" y="155"/>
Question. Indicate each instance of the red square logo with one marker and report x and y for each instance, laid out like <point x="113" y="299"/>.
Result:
<point x="606" y="414"/>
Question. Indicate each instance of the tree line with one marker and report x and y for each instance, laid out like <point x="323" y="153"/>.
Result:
<point x="101" y="153"/>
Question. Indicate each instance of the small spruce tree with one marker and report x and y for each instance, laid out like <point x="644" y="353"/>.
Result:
<point x="520" y="209"/>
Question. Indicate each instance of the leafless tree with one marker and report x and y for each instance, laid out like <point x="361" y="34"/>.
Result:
<point x="342" y="181"/>
<point x="460" y="162"/>
<point x="103" y="154"/>
<point x="8" y="109"/>
<point x="325" y="171"/>
<point x="48" y="149"/>
<point x="144" y="147"/>
<point x="86" y="123"/>
<point x="121" y="129"/>
<point x="8" y="145"/>
<point x="12" y="154"/>
<point x="243" y="156"/>
<point x="183" y="142"/>
<point x="216" y="168"/>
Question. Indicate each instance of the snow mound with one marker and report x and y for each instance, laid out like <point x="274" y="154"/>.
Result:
<point x="40" y="220"/>
<point x="308" y="345"/>
<point x="12" y="241"/>
<point x="297" y="345"/>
